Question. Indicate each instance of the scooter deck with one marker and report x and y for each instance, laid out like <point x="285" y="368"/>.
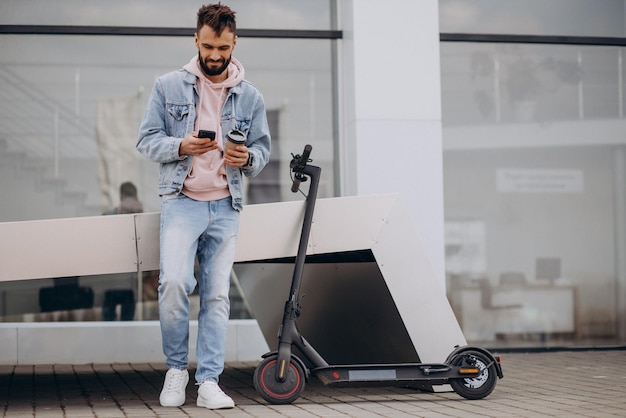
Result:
<point x="392" y="374"/>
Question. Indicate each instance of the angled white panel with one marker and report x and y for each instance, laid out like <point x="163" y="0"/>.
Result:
<point x="380" y="223"/>
<point x="269" y="230"/>
<point x="147" y="227"/>
<point x="67" y="247"/>
<point x="111" y="342"/>
<point x="272" y="230"/>
<point x="89" y="342"/>
<point x="418" y="294"/>
<point x="8" y="344"/>
<point x="348" y="223"/>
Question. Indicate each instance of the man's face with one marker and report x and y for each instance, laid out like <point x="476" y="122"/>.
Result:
<point x="215" y="52"/>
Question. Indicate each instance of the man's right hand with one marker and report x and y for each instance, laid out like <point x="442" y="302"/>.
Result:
<point x="192" y="145"/>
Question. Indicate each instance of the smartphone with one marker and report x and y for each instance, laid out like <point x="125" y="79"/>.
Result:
<point x="206" y="134"/>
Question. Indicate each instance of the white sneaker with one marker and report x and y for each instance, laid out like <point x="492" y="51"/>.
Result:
<point x="211" y="396"/>
<point x="173" y="393"/>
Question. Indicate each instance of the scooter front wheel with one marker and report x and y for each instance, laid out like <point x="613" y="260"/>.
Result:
<point x="477" y="387"/>
<point x="275" y="391"/>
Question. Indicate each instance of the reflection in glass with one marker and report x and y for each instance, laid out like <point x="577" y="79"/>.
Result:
<point x="505" y="83"/>
<point x="112" y="297"/>
<point x="533" y="169"/>
<point x="251" y="14"/>
<point x="51" y="119"/>
<point x="534" y="17"/>
<point x="58" y="113"/>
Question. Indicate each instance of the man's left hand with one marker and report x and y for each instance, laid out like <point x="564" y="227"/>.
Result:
<point x="237" y="157"/>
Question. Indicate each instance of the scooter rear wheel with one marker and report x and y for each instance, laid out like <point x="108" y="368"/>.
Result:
<point x="475" y="387"/>
<point x="275" y="391"/>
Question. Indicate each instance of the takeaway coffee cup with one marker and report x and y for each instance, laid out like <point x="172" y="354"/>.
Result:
<point x="234" y="138"/>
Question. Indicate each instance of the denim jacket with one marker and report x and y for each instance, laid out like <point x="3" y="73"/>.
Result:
<point x="170" y="116"/>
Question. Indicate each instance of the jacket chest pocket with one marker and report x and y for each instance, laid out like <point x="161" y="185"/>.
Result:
<point x="177" y="118"/>
<point x="235" y="122"/>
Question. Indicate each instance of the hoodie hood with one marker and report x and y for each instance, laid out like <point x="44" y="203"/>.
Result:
<point x="207" y="177"/>
<point x="235" y="74"/>
<point x="213" y="95"/>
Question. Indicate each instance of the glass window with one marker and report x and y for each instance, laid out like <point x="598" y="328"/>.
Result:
<point x="251" y="14"/>
<point x="534" y="17"/>
<point x="61" y="94"/>
<point x="111" y="297"/>
<point x="534" y="176"/>
<point x="506" y="83"/>
<point x="52" y="88"/>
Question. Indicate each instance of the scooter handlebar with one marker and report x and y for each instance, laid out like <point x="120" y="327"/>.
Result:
<point x="305" y="155"/>
<point x="299" y="162"/>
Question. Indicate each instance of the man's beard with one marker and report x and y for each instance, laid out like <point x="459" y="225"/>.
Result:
<point x="215" y="70"/>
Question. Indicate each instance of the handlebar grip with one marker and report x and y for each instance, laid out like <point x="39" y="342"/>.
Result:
<point x="301" y="162"/>
<point x="295" y="185"/>
<point x="305" y="154"/>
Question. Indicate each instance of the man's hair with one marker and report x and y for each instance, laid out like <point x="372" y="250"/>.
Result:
<point x="218" y="17"/>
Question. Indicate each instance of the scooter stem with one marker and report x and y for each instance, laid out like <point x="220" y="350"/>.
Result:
<point x="314" y="173"/>
<point x="288" y="331"/>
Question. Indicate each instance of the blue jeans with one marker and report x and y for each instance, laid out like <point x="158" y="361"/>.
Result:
<point x="208" y="230"/>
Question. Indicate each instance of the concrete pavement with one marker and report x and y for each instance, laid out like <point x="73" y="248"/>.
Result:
<point x="540" y="384"/>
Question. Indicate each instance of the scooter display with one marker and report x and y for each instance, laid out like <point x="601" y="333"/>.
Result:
<point x="280" y="377"/>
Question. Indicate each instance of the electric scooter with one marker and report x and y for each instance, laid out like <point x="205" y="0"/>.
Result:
<point x="280" y="377"/>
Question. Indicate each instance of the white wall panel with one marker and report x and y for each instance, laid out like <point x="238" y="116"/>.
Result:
<point x="391" y="104"/>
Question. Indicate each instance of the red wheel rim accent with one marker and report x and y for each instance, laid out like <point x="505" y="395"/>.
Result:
<point x="276" y="395"/>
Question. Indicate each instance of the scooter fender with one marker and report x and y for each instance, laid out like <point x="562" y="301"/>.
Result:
<point x="296" y="359"/>
<point x="462" y="349"/>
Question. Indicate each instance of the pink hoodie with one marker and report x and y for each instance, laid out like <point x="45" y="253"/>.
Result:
<point x="207" y="178"/>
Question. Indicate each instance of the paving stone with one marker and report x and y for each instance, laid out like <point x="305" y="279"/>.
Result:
<point x="550" y="384"/>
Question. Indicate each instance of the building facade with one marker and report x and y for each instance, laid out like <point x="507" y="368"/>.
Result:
<point x="500" y="123"/>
